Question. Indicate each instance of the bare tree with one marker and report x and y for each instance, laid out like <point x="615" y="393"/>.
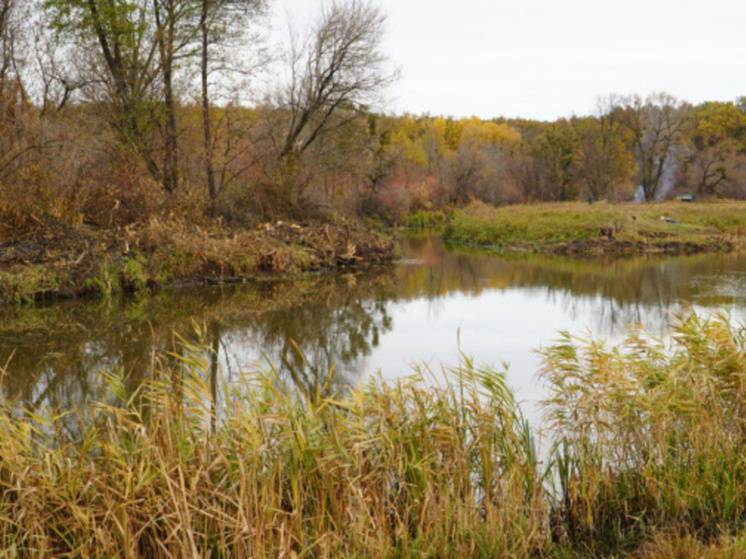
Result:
<point x="11" y="82"/>
<point x="340" y="66"/>
<point x="220" y="21"/>
<point x="167" y="14"/>
<point x="17" y="139"/>
<point x="711" y="166"/>
<point x="657" y="124"/>
<point x="56" y="81"/>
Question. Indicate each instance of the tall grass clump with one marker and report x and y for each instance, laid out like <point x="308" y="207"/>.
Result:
<point x="388" y="470"/>
<point x="425" y="219"/>
<point x="649" y="437"/>
<point x="647" y="459"/>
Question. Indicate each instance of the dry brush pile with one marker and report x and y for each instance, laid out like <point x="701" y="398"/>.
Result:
<point x="68" y="261"/>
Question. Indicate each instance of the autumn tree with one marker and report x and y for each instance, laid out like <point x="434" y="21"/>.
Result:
<point x="132" y="48"/>
<point x="222" y="24"/>
<point x="12" y="90"/>
<point x="604" y="161"/>
<point x="22" y="133"/>
<point x="477" y="165"/>
<point x="556" y="154"/>
<point x="716" y="147"/>
<point x="167" y="15"/>
<point x="10" y="31"/>
<point x="741" y="103"/>
<point x="382" y="161"/>
<point x="116" y="39"/>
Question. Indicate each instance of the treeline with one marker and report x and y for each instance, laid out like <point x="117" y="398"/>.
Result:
<point x="651" y="149"/>
<point x="111" y="110"/>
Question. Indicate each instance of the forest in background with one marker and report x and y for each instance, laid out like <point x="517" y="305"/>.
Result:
<point x="112" y="111"/>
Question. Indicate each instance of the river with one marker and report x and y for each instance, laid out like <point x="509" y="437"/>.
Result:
<point x="423" y="311"/>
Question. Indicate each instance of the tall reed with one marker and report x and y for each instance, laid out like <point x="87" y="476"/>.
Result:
<point x="648" y="458"/>
<point x="649" y="436"/>
<point x="400" y="470"/>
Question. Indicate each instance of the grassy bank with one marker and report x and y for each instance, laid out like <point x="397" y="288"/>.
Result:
<point x="647" y="460"/>
<point x="59" y="261"/>
<point x="576" y="228"/>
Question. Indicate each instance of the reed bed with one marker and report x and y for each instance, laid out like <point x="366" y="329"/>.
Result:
<point x="387" y="471"/>
<point x="647" y="459"/>
<point x="649" y="436"/>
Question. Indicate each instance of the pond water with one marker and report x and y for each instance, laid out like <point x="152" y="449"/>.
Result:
<point x="425" y="309"/>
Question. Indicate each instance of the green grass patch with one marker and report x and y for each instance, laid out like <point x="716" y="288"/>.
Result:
<point x="25" y="284"/>
<point x="106" y="281"/>
<point x="641" y="228"/>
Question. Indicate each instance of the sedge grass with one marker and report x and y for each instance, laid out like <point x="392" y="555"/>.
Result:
<point x="649" y="436"/>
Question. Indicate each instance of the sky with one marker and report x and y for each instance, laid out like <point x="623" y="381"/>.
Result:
<point x="545" y="59"/>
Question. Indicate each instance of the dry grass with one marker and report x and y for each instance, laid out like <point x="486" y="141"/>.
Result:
<point x="70" y="261"/>
<point x="397" y="471"/>
<point x="672" y="546"/>
<point x="648" y="461"/>
<point x="650" y="436"/>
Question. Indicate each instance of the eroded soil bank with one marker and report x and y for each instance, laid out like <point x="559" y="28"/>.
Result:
<point x="59" y="261"/>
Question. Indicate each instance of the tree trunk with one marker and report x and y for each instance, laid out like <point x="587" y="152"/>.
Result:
<point x="171" y="157"/>
<point x="166" y="48"/>
<point x="206" y="121"/>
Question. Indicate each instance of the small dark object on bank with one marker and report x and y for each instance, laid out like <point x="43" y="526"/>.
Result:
<point x="607" y="232"/>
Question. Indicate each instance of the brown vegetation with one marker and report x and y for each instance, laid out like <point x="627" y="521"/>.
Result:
<point x="646" y="459"/>
<point x="103" y="139"/>
<point x="112" y="178"/>
<point x="61" y="261"/>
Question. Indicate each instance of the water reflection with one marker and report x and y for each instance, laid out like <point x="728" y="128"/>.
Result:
<point x="57" y="354"/>
<point x="645" y="290"/>
<point x="359" y="323"/>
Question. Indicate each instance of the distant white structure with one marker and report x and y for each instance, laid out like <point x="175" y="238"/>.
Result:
<point x="640" y="195"/>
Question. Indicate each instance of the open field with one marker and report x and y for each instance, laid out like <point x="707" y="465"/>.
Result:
<point x="602" y="228"/>
<point x="646" y="460"/>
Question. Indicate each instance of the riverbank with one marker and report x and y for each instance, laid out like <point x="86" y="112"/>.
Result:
<point x="646" y="461"/>
<point x="614" y="229"/>
<point x="60" y="261"/>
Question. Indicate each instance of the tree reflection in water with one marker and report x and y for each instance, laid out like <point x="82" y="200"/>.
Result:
<point x="309" y="327"/>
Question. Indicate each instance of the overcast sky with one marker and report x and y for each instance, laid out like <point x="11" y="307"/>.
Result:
<point x="549" y="58"/>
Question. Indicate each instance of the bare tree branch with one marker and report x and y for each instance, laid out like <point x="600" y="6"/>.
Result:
<point x="341" y="65"/>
